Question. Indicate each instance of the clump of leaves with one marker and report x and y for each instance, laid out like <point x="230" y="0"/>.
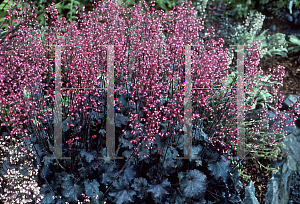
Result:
<point x="192" y="183"/>
<point x="241" y="7"/>
<point x="159" y="191"/>
<point x="140" y="185"/>
<point x="122" y="192"/>
<point x="256" y="96"/>
<point x="294" y="43"/>
<point x="249" y="33"/>
<point x="220" y="169"/>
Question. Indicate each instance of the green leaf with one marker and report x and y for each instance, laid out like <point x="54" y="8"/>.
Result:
<point x="76" y="3"/>
<point x="120" y="2"/>
<point x="262" y="35"/>
<point x="70" y="13"/>
<point x="163" y="6"/>
<point x="229" y="78"/>
<point x="171" y="4"/>
<point x="264" y="44"/>
<point x="255" y="90"/>
<point x="7" y="5"/>
<point x="294" y="40"/>
<point x="278" y="51"/>
<point x="294" y="49"/>
<point x="59" y="6"/>
<point x="268" y="95"/>
<point x="263" y="95"/>
<point x="69" y="5"/>
<point x="266" y="78"/>
<point x="253" y="106"/>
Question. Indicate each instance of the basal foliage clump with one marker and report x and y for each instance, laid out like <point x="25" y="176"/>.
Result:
<point x="250" y="32"/>
<point x="149" y="57"/>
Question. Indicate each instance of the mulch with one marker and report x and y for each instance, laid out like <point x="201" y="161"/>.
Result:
<point x="259" y="176"/>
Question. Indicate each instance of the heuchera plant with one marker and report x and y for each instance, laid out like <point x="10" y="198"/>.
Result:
<point x="148" y="55"/>
<point x="266" y="141"/>
<point x="147" y="70"/>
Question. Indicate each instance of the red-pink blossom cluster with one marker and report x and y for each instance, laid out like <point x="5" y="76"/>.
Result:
<point x="155" y="41"/>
